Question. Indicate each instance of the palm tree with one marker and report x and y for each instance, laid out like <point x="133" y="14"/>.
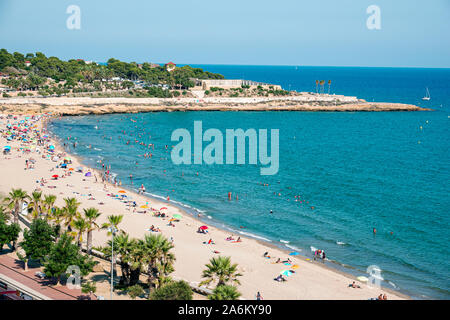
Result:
<point x="14" y="201"/>
<point x="224" y="292"/>
<point x="80" y="226"/>
<point x="322" y="83"/>
<point x="158" y="258"/>
<point x="130" y="255"/>
<point x="36" y="204"/>
<point x="317" y="86"/>
<point x="49" y="202"/>
<point x="329" y="86"/>
<point x="222" y="270"/>
<point x="70" y="211"/>
<point x="113" y="222"/>
<point x="57" y="215"/>
<point x="91" y="215"/>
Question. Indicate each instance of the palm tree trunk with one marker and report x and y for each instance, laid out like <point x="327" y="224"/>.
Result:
<point x="89" y="242"/>
<point x="16" y="220"/>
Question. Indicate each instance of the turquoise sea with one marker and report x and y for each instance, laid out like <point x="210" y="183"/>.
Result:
<point x="360" y="171"/>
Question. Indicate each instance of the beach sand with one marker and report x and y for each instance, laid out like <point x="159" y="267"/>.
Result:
<point x="312" y="280"/>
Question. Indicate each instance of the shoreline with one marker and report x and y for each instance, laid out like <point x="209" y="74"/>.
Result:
<point x="66" y="106"/>
<point x="314" y="291"/>
<point x="331" y="265"/>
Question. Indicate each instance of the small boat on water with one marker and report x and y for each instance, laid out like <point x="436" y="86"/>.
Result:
<point x="427" y="96"/>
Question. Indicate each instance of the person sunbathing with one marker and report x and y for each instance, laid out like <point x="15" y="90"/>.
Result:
<point x="278" y="261"/>
<point x="354" y="285"/>
<point x="229" y="238"/>
<point x="266" y="255"/>
<point x="280" y="278"/>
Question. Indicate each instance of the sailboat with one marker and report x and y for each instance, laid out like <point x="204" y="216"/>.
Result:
<point x="427" y="97"/>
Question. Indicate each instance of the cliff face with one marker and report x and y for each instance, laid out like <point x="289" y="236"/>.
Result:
<point x="83" y="106"/>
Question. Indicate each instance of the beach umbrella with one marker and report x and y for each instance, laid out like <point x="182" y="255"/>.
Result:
<point x="7" y="147"/>
<point x="286" y="273"/>
<point x="163" y="208"/>
<point x="177" y="216"/>
<point x="67" y="158"/>
<point x="294" y="253"/>
<point x="51" y="147"/>
<point x="203" y="227"/>
<point x="362" y="279"/>
<point x="55" y="176"/>
<point x="122" y="191"/>
<point x="173" y="219"/>
<point x="88" y="174"/>
<point x="70" y="169"/>
<point x="144" y="207"/>
<point x="295" y="266"/>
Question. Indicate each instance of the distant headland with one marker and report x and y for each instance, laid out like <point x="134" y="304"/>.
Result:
<point x="34" y="83"/>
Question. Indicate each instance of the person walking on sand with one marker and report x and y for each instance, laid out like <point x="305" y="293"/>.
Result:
<point x="258" y="296"/>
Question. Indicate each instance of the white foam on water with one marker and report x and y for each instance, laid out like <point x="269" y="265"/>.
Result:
<point x="254" y="236"/>
<point x="293" y="247"/>
<point x="313" y="249"/>
<point x="98" y="149"/>
<point x="393" y="284"/>
<point x="284" y="241"/>
<point x="340" y="243"/>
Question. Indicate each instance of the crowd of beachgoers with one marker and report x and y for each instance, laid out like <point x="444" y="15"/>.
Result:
<point x="34" y="161"/>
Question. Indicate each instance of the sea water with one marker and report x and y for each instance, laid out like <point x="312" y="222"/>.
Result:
<point x="340" y="175"/>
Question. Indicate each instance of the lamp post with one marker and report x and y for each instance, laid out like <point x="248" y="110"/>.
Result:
<point x="113" y="233"/>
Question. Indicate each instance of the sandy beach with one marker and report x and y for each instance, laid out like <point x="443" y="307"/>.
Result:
<point x="312" y="280"/>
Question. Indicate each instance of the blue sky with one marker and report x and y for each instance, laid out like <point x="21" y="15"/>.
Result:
<point x="414" y="33"/>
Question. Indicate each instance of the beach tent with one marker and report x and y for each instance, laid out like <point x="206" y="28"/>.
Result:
<point x="294" y="253"/>
<point x="286" y="273"/>
<point x="7" y="147"/>
<point x="88" y="174"/>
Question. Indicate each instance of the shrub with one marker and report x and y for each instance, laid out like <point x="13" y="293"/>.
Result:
<point x="224" y="292"/>
<point x="175" y="290"/>
<point x="135" y="291"/>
